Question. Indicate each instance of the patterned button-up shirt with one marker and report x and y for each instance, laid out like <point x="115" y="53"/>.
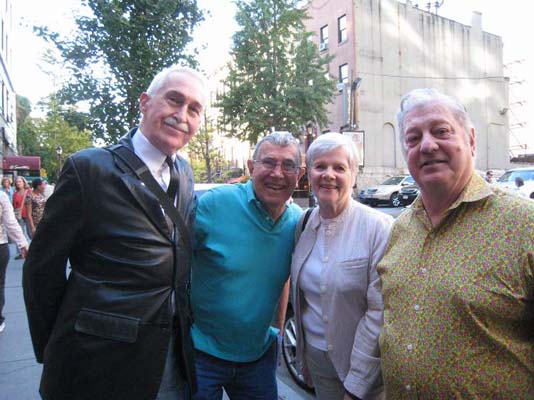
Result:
<point x="459" y="300"/>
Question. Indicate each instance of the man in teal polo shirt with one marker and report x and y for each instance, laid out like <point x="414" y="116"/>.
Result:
<point x="243" y="244"/>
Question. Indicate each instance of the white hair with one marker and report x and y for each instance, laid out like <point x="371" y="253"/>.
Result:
<point x="421" y="97"/>
<point x="279" y="138"/>
<point x="162" y="76"/>
<point x="327" y="142"/>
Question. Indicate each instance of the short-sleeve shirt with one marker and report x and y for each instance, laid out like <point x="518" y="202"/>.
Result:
<point x="241" y="263"/>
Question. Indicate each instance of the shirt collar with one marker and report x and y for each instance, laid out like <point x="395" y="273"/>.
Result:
<point x="476" y="189"/>
<point x="147" y="152"/>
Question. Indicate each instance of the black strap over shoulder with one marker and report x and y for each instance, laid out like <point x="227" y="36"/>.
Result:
<point x="306" y="218"/>
<point x="142" y="171"/>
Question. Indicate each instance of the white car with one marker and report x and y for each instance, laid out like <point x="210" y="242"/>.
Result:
<point x="387" y="192"/>
<point x="507" y="181"/>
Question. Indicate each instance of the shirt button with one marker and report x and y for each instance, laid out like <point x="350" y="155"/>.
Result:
<point x="408" y="387"/>
<point x="409" y="347"/>
<point x="323" y="289"/>
<point x="417" y="307"/>
<point x="325" y="318"/>
<point x="325" y="259"/>
<point x="330" y="347"/>
<point x="328" y="233"/>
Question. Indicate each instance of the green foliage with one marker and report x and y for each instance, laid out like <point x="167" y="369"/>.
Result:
<point x="202" y="151"/>
<point x="115" y="53"/>
<point x="277" y="79"/>
<point x="41" y="136"/>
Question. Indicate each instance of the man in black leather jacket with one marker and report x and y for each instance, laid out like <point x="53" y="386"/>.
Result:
<point x="118" y="327"/>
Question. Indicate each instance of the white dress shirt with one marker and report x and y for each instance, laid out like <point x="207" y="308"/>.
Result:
<point x="153" y="158"/>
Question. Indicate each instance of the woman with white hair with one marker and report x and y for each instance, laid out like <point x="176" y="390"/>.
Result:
<point x="336" y="289"/>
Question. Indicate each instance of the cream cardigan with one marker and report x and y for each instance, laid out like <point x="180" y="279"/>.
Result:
<point x="351" y="294"/>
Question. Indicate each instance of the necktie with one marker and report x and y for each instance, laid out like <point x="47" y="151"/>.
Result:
<point x="172" y="189"/>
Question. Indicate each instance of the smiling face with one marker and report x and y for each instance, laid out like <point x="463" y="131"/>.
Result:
<point x="439" y="152"/>
<point x="331" y="180"/>
<point x="273" y="187"/>
<point x="171" y="116"/>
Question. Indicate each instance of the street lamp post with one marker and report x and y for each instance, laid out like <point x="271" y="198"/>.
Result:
<point x="309" y="140"/>
<point x="59" y="152"/>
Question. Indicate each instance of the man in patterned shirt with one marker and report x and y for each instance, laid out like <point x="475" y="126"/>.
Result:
<point x="458" y="275"/>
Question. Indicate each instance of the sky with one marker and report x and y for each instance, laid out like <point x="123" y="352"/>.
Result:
<point x="510" y="20"/>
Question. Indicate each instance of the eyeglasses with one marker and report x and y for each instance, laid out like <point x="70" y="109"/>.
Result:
<point x="287" y="166"/>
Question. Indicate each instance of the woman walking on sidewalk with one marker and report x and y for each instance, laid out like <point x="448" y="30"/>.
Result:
<point x="8" y="226"/>
<point x="19" y="196"/>
<point x="35" y="204"/>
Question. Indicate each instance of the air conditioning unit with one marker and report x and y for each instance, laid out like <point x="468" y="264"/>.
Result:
<point x="340" y="86"/>
<point x="323" y="46"/>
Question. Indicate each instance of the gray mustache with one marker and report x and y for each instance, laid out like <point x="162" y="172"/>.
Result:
<point x="176" y="124"/>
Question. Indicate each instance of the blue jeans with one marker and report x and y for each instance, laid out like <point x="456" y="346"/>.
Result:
<point x="240" y="380"/>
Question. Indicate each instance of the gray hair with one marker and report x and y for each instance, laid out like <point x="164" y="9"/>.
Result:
<point x="421" y="97"/>
<point x="162" y="76"/>
<point x="282" y="139"/>
<point x="327" y="142"/>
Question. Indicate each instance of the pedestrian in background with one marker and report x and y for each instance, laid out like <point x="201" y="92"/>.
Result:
<point x="9" y="227"/>
<point x="19" y="208"/>
<point x="118" y="326"/>
<point x="458" y="274"/>
<point x="489" y="176"/>
<point x="35" y="204"/>
<point x="243" y="244"/>
<point x="335" y="285"/>
<point x="7" y="188"/>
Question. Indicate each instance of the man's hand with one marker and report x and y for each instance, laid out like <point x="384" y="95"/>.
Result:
<point x="350" y="396"/>
<point x="23" y="252"/>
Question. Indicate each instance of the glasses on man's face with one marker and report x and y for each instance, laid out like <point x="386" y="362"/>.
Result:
<point x="287" y="166"/>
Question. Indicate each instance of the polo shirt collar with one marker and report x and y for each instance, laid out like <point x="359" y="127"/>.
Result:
<point x="251" y="198"/>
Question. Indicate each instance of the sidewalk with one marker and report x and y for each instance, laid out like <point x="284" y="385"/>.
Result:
<point x="19" y="372"/>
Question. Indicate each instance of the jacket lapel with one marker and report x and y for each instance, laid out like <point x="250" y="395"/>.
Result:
<point x="144" y="197"/>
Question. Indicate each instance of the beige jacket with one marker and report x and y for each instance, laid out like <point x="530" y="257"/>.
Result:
<point x="351" y="295"/>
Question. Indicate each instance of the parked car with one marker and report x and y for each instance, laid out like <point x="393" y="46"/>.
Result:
<point x="289" y="350"/>
<point x="507" y="180"/>
<point x="201" y="188"/>
<point x="387" y="192"/>
<point x="407" y="194"/>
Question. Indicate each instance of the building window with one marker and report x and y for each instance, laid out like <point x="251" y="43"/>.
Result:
<point x="344" y="73"/>
<point x="323" y="44"/>
<point x="342" y="29"/>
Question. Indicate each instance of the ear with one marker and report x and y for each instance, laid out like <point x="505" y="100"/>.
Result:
<point x="250" y="165"/>
<point x="143" y="100"/>
<point x="472" y="141"/>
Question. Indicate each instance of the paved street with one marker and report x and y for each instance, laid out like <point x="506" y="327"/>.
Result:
<point x="20" y="374"/>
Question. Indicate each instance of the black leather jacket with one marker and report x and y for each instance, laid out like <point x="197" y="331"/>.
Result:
<point x="104" y="332"/>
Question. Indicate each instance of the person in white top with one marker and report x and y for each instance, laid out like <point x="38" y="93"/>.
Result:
<point x="335" y="286"/>
<point x="8" y="226"/>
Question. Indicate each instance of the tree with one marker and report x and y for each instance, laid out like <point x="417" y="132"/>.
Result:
<point x="205" y="159"/>
<point x="115" y="53"/>
<point x="41" y="136"/>
<point x="276" y="79"/>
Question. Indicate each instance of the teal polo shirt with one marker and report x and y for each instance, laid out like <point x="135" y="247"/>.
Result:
<point x="241" y="262"/>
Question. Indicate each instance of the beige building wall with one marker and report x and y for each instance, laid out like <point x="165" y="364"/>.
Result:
<point x="398" y="47"/>
<point x="8" y="100"/>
